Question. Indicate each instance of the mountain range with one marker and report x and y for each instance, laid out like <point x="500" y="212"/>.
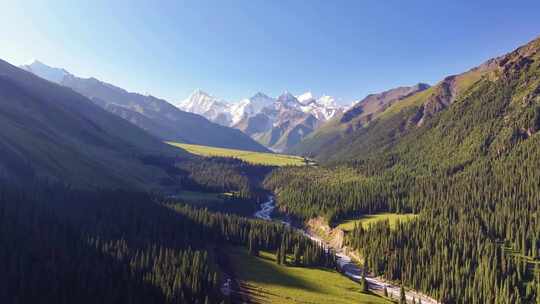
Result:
<point x="154" y="115"/>
<point x="277" y="123"/>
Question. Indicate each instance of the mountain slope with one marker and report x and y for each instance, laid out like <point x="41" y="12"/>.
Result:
<point x="152" y="114"/>
<point x="49" y="131"/>
<point x="356" y="117"/>
<point x="378" y="132"/>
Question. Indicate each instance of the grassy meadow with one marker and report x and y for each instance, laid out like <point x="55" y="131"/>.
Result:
<point x="260" y="158"/>
<point x="370" y="219"/>
<point x="267" y="282"/>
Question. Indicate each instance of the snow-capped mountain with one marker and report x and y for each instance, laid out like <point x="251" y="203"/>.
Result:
<point x="202" y="103"/>
<point x="278" y="122"/>
<point x="323" y="108"/>
<point x="44" y="71"/>
<point x="227" y="113"/>
<point x="249" y="107"/>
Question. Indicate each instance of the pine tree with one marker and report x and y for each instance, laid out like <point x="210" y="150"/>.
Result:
<point x="364" y="283"/>
<point x="283" y="255"/>
<point x="278" y="256"/>
<point x="402" y="297"/>
<point x="385" y="291"/>
<point x="297" y="255"/>
<point x="538" y="287"/>
<point x="253" y="245"/>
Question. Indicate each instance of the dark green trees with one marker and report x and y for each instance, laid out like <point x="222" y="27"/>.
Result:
<point x="364" y="286"/>
<point x="402" y="297"/>
<point x="78" y="246"/>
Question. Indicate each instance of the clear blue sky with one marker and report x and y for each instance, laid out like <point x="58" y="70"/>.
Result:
<point x="232" y="49"/>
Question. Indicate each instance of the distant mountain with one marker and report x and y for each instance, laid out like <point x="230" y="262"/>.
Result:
<point x="48" y="131"/>
<point x="276" y="123"/>
<point x="323" y="108"/>
<point x="200" y="102"/>
<point x="152" y="114"/>
<point x="359" y="115"/>
<point x="250" y="107"/>
<point x="280" y="124"/>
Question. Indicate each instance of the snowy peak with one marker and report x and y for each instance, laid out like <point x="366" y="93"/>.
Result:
<point x="275" y="122"/>
<point x="260" y="96"/>
<point x="202" y="103"/>
<point x="288" y="100"/>
<point x="323" y="108"/>
<point x="327" y="101"/>
<point x="44" y="71"/>
<point x="306" y="98"/>
<point x="287" y="97"/>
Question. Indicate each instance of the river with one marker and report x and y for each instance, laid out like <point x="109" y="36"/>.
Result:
<point x="346" y="264"/>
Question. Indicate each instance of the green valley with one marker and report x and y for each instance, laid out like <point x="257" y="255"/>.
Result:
<point x="356" y="152"/>
<point x="259" y="158"/>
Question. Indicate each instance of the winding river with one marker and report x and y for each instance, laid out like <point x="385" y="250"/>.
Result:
<point x="346" y="264"/>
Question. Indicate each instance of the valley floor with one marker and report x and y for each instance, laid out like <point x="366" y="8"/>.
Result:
<point x="264" y="281"/>
<point x="258" y="158"/>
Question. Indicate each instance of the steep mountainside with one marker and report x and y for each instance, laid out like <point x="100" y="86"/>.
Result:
<point x="152" y="114"/>
<point x="354" y="118"/>
<point x="49" y="131"/>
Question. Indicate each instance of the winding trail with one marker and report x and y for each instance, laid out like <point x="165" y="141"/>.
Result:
<point x="346" y="264"/>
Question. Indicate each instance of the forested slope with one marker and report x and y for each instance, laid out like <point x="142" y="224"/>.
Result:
<point x="469" y="167"/>
<point x="75" y="246"/>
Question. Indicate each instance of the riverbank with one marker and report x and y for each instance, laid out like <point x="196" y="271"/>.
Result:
<point x="345" y="259"/>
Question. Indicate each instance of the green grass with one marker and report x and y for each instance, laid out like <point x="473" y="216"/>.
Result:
<point x="268" y="282"/>
<point x="370" y="219"/>
<point x="260" y="158"/>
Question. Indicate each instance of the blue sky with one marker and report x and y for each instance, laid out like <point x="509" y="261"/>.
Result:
<point x="233" y="49"/>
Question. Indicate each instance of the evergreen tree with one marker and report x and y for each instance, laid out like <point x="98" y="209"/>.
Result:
<point x="297" y="256"/>
<point x="364" y="282"/>
<point x="538" y="288"/>
<point x="402" y="297"/>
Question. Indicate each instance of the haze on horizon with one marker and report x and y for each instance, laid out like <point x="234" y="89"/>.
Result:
<point x="235" y="49"/>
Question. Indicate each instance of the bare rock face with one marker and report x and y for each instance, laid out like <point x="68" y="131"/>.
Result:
<point x="439" y="101"/>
